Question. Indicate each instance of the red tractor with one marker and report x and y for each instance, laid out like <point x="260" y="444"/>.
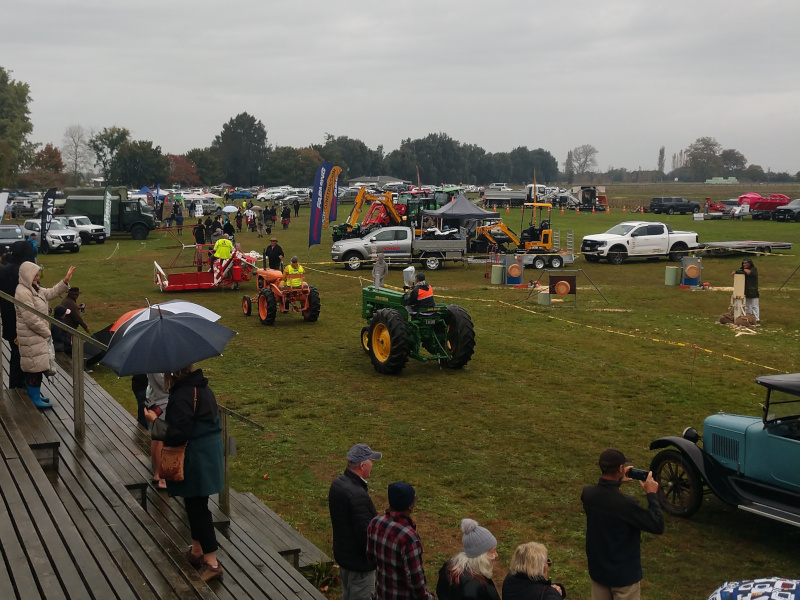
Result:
<point x="273" y="297"/>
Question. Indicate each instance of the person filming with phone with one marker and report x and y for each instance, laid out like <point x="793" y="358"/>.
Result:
<point x="614" y="522"/>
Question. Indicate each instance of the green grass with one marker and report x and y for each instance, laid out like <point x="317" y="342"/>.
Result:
<point x="511" y="439"/>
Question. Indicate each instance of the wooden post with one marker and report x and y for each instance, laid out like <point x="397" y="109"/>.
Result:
<point x="79" y="415"/>
<point x="225" y="494"/>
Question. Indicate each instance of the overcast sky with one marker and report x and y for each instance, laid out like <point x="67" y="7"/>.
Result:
<point x="626" y="76"/>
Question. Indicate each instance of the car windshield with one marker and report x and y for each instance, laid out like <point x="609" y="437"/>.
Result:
<point x="82" y="221"/>
<point x="57" y="226"/>
<point x="621" y="229"/>
<point x="10" y="233"/>
<point x="795" y="203"/>
<point x="783" y="406"/>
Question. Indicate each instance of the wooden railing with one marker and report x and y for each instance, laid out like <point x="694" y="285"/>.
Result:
<point x="78" y="338"/>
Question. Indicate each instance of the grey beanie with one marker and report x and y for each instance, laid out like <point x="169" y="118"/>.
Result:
<point x="477" y="540"/>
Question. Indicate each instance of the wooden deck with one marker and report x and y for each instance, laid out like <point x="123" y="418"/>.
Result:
<point x="86" y="522"/>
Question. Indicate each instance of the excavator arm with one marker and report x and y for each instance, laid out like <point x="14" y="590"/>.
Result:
<point x="489" y="231"/>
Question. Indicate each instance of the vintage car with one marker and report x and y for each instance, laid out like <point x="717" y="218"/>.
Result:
<point x="749" y="462"/>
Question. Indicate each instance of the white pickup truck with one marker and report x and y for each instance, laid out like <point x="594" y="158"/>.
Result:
<point x="638" y="239"/>
<point x="399" y="246"/>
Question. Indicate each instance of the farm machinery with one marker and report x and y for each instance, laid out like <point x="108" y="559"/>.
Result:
<point x="273" y="298"/>
<point x="394" y="333"/>
<point x="382" y="212"/>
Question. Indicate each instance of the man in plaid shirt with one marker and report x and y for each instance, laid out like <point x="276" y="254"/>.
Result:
<point x="395" y="550"/>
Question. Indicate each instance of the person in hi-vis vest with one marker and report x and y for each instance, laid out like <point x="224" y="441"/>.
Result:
<point x="294" y="274"/>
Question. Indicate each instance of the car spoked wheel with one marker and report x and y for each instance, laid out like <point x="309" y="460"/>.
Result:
<point x="680" y="487"/>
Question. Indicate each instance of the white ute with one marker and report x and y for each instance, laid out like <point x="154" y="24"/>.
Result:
<point x="638" y="239"/>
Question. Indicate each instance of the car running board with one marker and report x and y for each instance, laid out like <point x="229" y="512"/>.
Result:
<point x="772" y="513"/>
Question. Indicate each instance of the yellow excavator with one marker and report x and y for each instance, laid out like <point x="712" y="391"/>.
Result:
<point x="533" y="239"/>
<point x="382" y="212"/>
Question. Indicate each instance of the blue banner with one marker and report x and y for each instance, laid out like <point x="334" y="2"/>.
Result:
<point x="318" y="203"/>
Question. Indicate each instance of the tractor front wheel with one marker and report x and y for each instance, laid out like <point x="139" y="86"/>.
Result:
<point x="311" y="314"/>
<point x="267" y="307"/>
<point x="247" y="306"/>
<point x="460" y="342"/>
<point x="388" y="341"/>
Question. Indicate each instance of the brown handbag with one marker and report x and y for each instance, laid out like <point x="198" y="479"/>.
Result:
<point x="172" y="457"/>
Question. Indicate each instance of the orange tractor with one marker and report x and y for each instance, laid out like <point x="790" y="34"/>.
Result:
<point x="273" y="297"/>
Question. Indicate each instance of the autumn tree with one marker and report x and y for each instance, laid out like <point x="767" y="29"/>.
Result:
<point x="46" y="171"/>
<point x="105" y="145"/>
<point x="661" y="159"/>
<point x="242" y="150"/>
<point x="584" y="158"/>
<point x="138" y="163"/>
<point x="76" y="152"/>
<point x="15" y="126"/>
<point x="182" y="170"/>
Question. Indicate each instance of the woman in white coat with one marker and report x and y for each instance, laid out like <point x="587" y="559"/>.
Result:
<point x="33" y="333"/>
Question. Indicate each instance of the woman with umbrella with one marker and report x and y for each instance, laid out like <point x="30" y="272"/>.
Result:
<point x="193" y="419"/>
<point x="33" y="333"/>
<point x="166" y="342"/>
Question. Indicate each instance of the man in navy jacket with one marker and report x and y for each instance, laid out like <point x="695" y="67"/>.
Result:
<point x="351" y="511"/>
<point x="614" y="522"/>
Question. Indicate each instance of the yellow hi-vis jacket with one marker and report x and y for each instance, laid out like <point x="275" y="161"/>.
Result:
<point x="223" y="248"/>
<point x="293" y="277"/>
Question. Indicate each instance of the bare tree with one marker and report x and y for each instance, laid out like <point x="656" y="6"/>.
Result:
<point x="76" y="152"/>
<point x="661" y="159"/>
<point x="583" y="158"/>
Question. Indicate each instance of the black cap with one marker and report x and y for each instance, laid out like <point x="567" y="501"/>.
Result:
<point x="612" y="459"/>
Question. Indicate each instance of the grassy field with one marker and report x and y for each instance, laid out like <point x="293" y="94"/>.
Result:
<point x="511" y="439"/>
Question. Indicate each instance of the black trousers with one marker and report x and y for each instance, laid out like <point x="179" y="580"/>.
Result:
<point x="16" y="378"/>
<point x="201" y="523"/>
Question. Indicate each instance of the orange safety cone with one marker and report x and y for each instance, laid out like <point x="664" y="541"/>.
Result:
<point x="577" y="210"/>
<point x="562" y="210"/>
<point x="508" y="208"/>
<point x="608" y="210"/>
<point x="592" y="209"/>
<point x="623" y="210"/>
<point x="643" y="210"/>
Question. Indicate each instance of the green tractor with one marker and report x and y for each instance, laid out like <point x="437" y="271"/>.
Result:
<point x="394" y="333"/>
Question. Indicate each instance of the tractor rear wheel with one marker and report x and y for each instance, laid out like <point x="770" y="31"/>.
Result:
<point x="388" y="341"/>
<point x="460" y="337"/>
<point x="314" y="306"/>
<point x="365" y="339"/>
<point x="267" y="307"/>
<point x="247" y="306"/>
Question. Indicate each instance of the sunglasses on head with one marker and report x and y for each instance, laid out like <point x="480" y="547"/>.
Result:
<point x="549" y="562"/>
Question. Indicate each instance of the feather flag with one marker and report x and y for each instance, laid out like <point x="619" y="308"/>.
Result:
<point x="318" y="204"/>
<point x="331" y="186"/>
<point x="48" y="206"/>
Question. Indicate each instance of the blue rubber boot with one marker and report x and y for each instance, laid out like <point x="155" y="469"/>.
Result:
<point x="35" y="394"/>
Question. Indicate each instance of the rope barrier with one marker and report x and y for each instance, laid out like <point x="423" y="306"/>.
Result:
<point x="502" y="303"/>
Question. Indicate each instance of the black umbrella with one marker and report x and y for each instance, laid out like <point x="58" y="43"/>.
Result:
<point x="166" y="344"/>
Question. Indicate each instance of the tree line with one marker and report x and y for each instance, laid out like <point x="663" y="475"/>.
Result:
<point x="242" y="156"/>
